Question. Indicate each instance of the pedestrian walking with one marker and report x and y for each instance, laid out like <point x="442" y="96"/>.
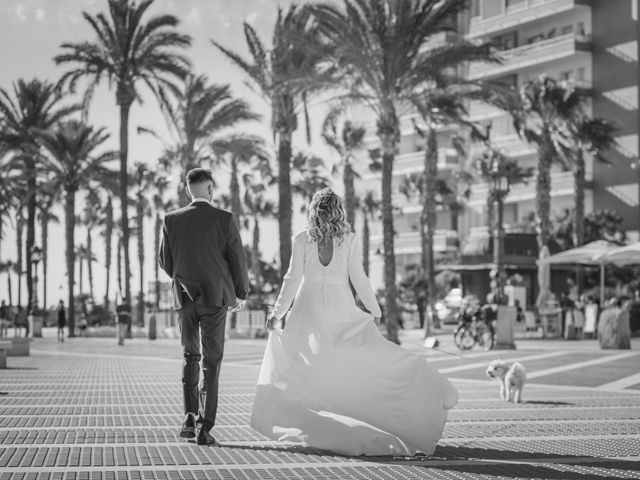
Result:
<point x="123" y="312"/>
<point x="202" y="252"/>
<point x="20" y="322"/>
<point x="4" y="319"/>
<point x="62" y="321"/>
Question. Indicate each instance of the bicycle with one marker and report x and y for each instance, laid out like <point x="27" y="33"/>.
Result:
<point x="474" y="331"/>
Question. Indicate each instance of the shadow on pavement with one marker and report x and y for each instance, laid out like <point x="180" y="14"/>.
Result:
<point x="546" y="402"/>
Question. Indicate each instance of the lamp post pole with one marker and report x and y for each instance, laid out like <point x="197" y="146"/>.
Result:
<point x="500" y="191"/>
<point x="498" y="249"/>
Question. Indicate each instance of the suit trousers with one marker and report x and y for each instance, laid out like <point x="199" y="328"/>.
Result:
<point x="208" y="323"/>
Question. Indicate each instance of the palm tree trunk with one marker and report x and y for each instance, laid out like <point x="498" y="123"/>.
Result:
<point x="108" y="237"/>
<point x="19" y="238"/>
<point x="429" y="213"/>
<point x="255" y="257"/>
<point x="89" y="262"/>
<point x="578" y="218"/>
<point x="284" y="200"/>
<point x="31" y="226"/>
<point x="45" y="256"/>
<point x="81" y="271"/>
<point x="543" y="192"/>
<point x="10" y="290"/>
<point x="124" y="152"/>
<point x="119" y="260"/>
<point x="234" y="190"/>
<point x="70" y="226"/>
<point x="140" y="215"/>
<point x="388" y="233"/>
<point x="349" y="195"/>
<point x="156" y="246"/>
<point x="365" y="243"/>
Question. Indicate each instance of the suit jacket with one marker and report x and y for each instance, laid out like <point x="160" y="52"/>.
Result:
<point x="202" y="252"/>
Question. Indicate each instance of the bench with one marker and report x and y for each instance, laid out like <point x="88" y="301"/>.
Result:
<point x="5" y="345"/>
<point x="19" y="347"/>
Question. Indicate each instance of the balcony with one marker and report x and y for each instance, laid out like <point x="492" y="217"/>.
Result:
<point x="531" y="54"/>
<point x="525" y="12"/>
<point x="414" y="162"/>
<point x="562" y="184"/>
<point x="444" y="241"/>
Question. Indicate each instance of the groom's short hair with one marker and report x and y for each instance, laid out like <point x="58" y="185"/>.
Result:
<point x="199" y="175"/>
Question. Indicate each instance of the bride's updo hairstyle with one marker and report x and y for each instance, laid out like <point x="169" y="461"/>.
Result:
<point x="326" y="217"/>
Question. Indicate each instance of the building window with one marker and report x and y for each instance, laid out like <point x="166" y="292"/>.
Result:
<point x="475" y="8"/>
<point x="513" y="4"/>
<point x="568" y="75"/>
<point x="491" y="8"/>
<point x="580" y="29"/>
<point x="580" y="74"/>
<point x="566" y="29"/>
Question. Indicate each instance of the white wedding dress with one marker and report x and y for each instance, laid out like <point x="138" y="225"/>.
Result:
<point x="330" y="380"/>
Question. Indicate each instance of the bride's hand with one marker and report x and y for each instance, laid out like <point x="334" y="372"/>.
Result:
<point x="271" y="319"/>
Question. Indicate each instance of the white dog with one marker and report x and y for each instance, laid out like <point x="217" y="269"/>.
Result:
<point x="512" y="379"/>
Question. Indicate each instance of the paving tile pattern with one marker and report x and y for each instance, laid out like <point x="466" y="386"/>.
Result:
<point x="99" y="413"/>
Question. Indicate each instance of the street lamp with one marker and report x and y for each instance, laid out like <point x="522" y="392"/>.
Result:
<point x="35" y="258"/>
<point x="500" y="189"/>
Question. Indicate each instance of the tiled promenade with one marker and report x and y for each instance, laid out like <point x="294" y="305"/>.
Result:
<point x="88" y="409"/>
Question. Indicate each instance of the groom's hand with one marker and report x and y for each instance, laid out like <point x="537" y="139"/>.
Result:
<point x="376" y="320"/>
<point x="240" y="304"/>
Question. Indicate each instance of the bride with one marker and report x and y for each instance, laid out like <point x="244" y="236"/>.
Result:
<point x="330" y="380"/>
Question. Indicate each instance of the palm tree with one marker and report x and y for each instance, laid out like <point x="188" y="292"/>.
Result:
<point x="73" y="163"/>
<point x="483" y="166"/>
<point x="594" y="136"/>
<point x="310" y="176"/>
<point x="236" y="150"/>
<point x="160" y="206"/>
<point x="21" y="222"/>
<point x="257" y="207"/>
<point x="345" y="140"/>
<point x="544" y="114"/>
<point x="90" y="219"/>
<point x="128" y="53"/>
<point x="144" y="180"/>
<point x="36" y="105"/>
<point x="437" y="107"/>
<point x="107" y="233"/>
<point x="380" y="45"/>
<point x="286" y="75"/>
<point x="369" y="206"/>
<point x="48" y="195"/>
<point x="202" y="110"/>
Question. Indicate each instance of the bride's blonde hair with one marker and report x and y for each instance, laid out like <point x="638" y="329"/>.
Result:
<point x="326" y="217"/>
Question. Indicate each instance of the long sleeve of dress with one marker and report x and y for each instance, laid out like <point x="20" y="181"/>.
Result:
<point x="359" y="278"/>
<point x="292" y="279"/>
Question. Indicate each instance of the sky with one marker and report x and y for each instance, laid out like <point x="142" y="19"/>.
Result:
<point x="31" y="32"/>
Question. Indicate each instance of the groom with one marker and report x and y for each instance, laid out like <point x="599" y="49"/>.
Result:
<point x="202" y="252"/>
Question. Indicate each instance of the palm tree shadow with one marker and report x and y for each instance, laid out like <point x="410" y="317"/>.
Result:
<point x="22" y="368"/>
<point x="546" y="402"/>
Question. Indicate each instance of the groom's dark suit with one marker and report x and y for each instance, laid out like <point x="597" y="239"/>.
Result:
<point x="202" y="252"/>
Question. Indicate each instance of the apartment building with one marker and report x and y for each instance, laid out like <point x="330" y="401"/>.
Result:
<point x="595" y="45"/>
<point x="592" y="43"/>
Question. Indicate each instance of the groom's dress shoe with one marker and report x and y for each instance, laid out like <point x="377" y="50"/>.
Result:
<point x="205" y="438"/>
<point x="188" y="426"/>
